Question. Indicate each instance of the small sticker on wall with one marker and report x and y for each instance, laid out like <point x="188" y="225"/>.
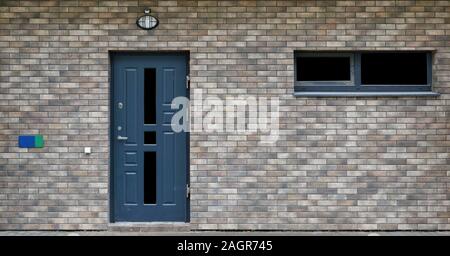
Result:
<point x="31" y="141"/>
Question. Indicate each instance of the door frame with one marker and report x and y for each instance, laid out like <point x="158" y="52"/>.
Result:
<point x="111" y="55"/>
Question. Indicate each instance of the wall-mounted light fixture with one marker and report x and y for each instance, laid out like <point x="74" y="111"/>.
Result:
<point x="147" y="21"/>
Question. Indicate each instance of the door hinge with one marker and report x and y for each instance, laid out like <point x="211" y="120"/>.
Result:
<point x="188" y="82"/>
<point x="188" y="191"/>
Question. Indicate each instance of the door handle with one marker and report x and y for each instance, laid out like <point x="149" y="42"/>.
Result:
<point x="122" y="138"/>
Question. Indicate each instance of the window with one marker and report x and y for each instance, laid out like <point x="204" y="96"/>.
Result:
<point x="150" y="177"/>
<point x="150" y="96"/>
<point x="394" y="68"/>
<point x="363" y="73"/>
<point x="323" y="68"/>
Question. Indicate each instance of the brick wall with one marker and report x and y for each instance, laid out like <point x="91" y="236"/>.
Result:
<point x="340" y="163"/>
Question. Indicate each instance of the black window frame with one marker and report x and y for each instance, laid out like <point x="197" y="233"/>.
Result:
<point x="356" y="87"/>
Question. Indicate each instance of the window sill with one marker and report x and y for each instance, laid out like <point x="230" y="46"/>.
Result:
<point x="366" y="94"/>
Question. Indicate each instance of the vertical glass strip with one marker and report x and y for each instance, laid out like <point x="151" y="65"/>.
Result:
<point x="150" y="96"/>
<point x="149" y="177"/>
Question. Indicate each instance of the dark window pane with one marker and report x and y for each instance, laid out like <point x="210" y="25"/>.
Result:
<point x="394" y="68"/>
<point x="149" y="137"/>
<point x="149" y="177"/>
<point x="323" y="68"/>
<point x="149" y="96"/>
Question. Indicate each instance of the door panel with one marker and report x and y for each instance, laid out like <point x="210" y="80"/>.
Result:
<point x="130" y="188"/>
<point x="169" y="168"/>
<point x="150" y="160"/>
<point x="131" y="102"/>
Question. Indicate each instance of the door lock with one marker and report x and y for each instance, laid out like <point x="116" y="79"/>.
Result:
<point x="122" y="138"/>
<point x="120" y="105"/>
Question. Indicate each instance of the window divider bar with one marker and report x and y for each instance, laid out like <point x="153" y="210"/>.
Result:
<point x="430" y="68"/>
<point x="357" y="68"/>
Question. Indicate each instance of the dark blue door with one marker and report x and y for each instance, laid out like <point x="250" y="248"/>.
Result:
<point x="149" y="158"/>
